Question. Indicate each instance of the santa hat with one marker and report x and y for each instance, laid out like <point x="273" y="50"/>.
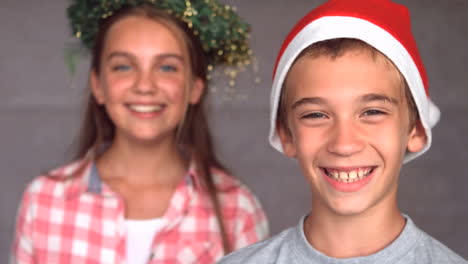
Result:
<point x="382" y="24"/>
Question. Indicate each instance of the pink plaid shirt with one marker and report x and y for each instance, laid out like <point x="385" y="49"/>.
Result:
<point x="78" y="219"/>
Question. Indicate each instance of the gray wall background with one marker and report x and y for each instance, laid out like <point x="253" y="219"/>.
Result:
<point x="40" y="108"/>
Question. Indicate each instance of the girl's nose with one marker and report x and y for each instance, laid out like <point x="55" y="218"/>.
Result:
<point x="145" y="84"/>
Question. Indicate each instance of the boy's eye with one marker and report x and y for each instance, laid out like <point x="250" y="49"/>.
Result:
<point x="314" y="115"/>
<point x="168" y="68"/>
<point x="373" y="112"/>
<point x="121" y="67"/>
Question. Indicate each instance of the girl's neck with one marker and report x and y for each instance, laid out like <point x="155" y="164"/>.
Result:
<point x="142" y="163"/>
<point x="358" y="235"/>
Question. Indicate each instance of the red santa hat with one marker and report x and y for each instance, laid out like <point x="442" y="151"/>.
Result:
<point x="382" y="24"/>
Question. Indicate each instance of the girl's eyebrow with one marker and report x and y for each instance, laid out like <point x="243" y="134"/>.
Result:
<point x="131" y="56"/>
<point x="171" y="55"/>
<point x="119" y="54"/>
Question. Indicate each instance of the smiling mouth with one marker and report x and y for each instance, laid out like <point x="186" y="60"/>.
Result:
<point x="146" y="108"/>
<point x="348" y="176"/>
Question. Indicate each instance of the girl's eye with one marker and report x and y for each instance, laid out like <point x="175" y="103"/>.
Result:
<point x="121" y="67"/>
<point x="373" y="112"/>
<point x="315" y="115"/>
<point x="168" y="68"/>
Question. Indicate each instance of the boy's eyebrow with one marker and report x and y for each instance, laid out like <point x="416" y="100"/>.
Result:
<point x="365" y="98"/>
<point x="379" y="97"/>
<point x="308" y="100"/>
<point x="131" y="56"/>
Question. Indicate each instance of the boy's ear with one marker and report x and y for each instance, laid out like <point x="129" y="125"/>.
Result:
<point x="417" y="138"/>
<point x="96" y="88"/>
<point x="287" y="141"/>
<point x="197" y="90"/>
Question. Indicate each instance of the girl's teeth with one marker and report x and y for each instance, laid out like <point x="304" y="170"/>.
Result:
<point x="361" y="173"/>
<point x="146" y="108"/>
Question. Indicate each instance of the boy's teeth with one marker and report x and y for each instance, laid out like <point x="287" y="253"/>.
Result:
<point x="343" y="175"/>
<point x="146" y="108"/>
<point x="349" y="176"/>
<point x="335" y="174"/>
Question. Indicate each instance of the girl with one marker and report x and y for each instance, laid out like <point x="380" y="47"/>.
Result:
<point x="147" y="186"/>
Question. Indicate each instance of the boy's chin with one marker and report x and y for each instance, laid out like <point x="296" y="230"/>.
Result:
<point x="348" y="208"/>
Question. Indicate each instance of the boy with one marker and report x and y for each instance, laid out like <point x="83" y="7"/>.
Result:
<point x="350" y="103"/>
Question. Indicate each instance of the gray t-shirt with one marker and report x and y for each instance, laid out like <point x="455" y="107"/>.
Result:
<point x="291" y="247"/>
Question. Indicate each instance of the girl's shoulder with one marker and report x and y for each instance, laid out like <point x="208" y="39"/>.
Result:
<point x="226" y="182"/>
<point x="233" y="191"/>
<point x="245" y="215"/>
<point x="60" y="181"/>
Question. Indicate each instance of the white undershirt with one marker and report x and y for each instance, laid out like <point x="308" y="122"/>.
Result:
<point x="140" y="234"/>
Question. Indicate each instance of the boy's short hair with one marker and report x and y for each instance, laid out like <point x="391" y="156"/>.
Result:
<point x="335" y="48"/>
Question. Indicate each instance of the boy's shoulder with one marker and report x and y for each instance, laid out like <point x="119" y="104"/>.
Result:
<point x="272" y="250"/>
<point x="413" y="246"/>
<point x="433" y="251"/>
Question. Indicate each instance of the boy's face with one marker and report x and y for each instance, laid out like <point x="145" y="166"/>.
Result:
<point x="349" y="130"/>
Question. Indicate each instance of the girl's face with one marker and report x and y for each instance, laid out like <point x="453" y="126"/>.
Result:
<point x="145" y="81"/>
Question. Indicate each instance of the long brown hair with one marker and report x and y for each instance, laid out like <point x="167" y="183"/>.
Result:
<point x="194" y="135"/>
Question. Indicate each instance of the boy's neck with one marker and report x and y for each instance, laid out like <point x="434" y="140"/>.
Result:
<point x="339" y="236"/>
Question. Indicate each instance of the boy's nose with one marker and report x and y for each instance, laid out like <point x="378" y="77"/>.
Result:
<point x="345" y="139"/>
